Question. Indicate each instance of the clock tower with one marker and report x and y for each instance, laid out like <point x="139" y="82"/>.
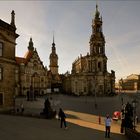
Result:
<point x="53" y="60"/>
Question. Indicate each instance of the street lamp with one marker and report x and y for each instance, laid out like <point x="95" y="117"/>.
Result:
<point x="120" y="85"/>
<point x="120" y="90"/>
<point x="122" y="119"/>
<point x="14" y="100"/>
<point x="95" y="101"/>
<point x="95" y="105"/>
<point x="134" y="112"/>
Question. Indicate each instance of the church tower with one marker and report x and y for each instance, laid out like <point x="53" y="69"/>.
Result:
<point x="89" y="73"/>
<point x="53" y="60"/>
<point x="97" y="42"/>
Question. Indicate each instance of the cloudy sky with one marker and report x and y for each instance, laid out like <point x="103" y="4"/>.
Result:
<point x="71" y="23"/>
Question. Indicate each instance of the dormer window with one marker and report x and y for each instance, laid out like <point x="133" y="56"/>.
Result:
<point x="1" y="48"/>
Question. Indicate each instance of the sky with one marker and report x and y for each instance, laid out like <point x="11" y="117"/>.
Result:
<point x="70" y="21"/>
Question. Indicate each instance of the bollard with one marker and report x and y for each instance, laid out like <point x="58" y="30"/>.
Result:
<point x="99" y="119"/>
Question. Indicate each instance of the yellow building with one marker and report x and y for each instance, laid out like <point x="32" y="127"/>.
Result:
<point x="130" y="83"/>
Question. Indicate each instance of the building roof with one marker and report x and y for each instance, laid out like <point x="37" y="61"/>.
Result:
<point x="8" y="27"/>
<point x="20" y="60"/>
<point x="132" y="76"/>
<point x="24" y="59"/>
<point x="28" y="55"/>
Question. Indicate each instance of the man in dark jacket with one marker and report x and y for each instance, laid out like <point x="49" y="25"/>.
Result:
<point x="62" y="117"/>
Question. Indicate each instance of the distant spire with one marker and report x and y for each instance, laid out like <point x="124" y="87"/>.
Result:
<point x="96" y="6"/>
<point x="53" y="44"/>
<point x="53" y="38"/>
<point x="31" y="45"/>
<point x="97" y="13"/>
<point x="13" y="18"/>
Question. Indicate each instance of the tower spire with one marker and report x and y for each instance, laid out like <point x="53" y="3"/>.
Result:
<point x="53" y="44"/>
<point x="53" y="59"/>
<point x="97" y="13"/>
<point x="53" y="38"/>
<point x="97" y="41"/>
<point x="96" y="6"/>
<point x="31" y="45"/>
<point x="13" y="18"/>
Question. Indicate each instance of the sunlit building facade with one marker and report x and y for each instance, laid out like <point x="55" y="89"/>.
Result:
<point x="130" y="83"/>
<point x="89" y="75"/>
<point x="32" y="77"/>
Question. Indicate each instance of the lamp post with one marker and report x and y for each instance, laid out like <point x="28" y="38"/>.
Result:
<point x="95" y="101"/>
<point x="134" y="113"/>
<point x="120" y="90"/>
<point x="30" y="97"/>
<point x="122" y="119"/>
<point x="95" y="93"/>
<point x="120" y="85"/>
<point x="14" y="100"/>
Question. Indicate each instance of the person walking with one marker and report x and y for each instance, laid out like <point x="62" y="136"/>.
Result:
<point x="107" y="126"/>
<point x="62" y="117"/>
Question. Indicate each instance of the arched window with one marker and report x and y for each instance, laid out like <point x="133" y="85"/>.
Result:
<point x="1" y="48"/>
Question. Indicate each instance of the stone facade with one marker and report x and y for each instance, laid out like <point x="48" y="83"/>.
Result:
<point x="130" y="83"/>
<point x="24" y="75"/>
<point x="7" y="61"/>
<point x="89" y="74"/>
<point x="32" y="75"/>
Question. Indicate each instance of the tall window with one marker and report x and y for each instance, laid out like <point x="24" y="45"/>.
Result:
<point x="99" y="66"/>
<point x="1" y="48"/>
<point x="0" y="73"/>
<point x="1" y="99"/>
<point x="89" y="66"/>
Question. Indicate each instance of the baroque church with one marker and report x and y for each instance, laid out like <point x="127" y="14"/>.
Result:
<point x="89" y="75"/>
<point x="28" y="76"/>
